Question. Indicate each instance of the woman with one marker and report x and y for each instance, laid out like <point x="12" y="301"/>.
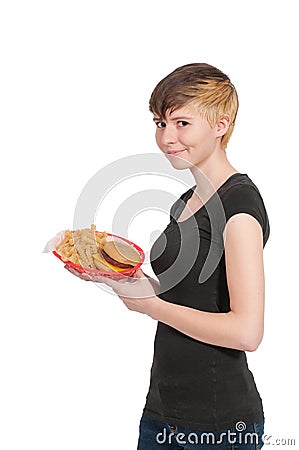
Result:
<point x="209" y="298"/>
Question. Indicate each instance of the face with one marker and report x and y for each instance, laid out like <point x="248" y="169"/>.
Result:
<point x="187" y="139"/>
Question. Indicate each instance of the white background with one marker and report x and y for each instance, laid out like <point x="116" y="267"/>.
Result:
<point x="75" y="82"/>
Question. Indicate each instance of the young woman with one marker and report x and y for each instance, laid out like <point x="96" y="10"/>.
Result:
<point x="209" y="297"/>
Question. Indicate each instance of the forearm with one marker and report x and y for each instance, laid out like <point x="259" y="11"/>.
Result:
<point x="222" y="329"/>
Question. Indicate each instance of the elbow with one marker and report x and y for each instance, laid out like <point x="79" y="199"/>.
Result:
<point x="251" y="341"/>
<point x="250" y="346"/>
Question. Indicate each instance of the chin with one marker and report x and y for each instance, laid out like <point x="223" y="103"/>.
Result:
<point x="179" y="163"/>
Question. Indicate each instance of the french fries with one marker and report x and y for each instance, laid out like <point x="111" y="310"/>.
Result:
<point x="78" y="246"/>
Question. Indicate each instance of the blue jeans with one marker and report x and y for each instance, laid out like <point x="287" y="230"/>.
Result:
<point x="155" y="435"/>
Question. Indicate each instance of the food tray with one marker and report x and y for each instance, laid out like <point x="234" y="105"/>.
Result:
<point x="114" y="275"/>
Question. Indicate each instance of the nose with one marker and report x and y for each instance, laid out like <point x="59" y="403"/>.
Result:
<point x="169" y="135"/>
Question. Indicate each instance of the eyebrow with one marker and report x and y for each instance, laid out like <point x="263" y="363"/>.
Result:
<point x="157" y="119"/>
<point x="181" y="118"/>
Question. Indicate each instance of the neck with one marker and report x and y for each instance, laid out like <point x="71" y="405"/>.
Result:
<point x="210" y="174"/>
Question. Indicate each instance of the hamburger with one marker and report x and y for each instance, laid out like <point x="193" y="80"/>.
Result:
<point x="116" y="257"/>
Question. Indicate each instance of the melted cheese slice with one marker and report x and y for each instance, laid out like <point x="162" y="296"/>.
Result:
<point x="102" y="262"/>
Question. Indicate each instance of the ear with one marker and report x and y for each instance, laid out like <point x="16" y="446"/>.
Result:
<point x="222" y="126"/>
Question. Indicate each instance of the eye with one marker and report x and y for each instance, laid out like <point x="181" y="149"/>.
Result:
<point x="182" y="123"/>
<point x="160" y="124"/>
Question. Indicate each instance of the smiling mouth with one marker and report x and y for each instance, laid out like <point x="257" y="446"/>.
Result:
<point x="175" y="152"/>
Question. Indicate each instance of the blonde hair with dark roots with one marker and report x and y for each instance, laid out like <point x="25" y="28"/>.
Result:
<point x="199" y="86"/>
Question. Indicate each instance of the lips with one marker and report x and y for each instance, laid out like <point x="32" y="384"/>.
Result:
<point x="175" y="152"/>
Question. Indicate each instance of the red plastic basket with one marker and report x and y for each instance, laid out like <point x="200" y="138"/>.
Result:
<point x="115" y="275"/>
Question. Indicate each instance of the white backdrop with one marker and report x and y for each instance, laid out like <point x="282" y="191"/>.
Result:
<point x="75" y="83"/>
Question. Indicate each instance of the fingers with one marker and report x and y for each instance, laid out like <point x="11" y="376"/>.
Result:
<point x="138" y="274"/>
<point x="82" y="275"/>
<point x="85" y="276"/>
<point x="108" y="281"/>
<point x="115" y="284"/>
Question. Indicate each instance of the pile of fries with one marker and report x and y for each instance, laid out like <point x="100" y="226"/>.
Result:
<point x="78" y="246"/>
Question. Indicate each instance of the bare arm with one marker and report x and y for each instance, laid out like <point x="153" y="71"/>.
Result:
<point x="242" y="327"/>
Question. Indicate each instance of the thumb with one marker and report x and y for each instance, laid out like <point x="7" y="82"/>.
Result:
<point x="139" y="274"/>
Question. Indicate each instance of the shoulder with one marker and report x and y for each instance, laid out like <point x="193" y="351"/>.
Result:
<point x="239" y="184"/>
<point x="242" y="196"/>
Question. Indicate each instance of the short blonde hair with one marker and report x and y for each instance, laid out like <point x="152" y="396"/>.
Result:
<point x="202" y="87"/>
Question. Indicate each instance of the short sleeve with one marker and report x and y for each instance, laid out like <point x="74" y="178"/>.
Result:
<point x="246" y="199"/>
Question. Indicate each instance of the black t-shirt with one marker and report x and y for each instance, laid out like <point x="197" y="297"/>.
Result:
<point x="194" y="384"/>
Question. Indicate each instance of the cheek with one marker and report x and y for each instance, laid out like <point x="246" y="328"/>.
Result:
<point x="158" y="139"/>
<point x="203" y="138"/>
<point x="188" y="136"/>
